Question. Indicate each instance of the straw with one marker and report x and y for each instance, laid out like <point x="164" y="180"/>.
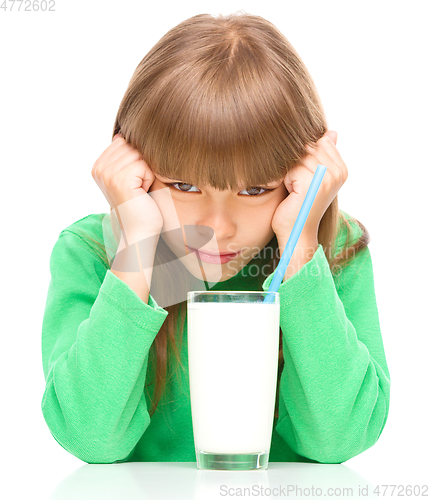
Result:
<point x="295" y="233"/>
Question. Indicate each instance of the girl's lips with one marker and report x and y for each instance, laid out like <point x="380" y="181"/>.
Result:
<point x="214" y="259"/>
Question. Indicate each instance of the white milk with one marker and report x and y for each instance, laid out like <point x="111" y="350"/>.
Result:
<point x="233" y="365"/>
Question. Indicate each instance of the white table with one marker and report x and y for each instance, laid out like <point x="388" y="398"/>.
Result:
<point x="182" y="480"/>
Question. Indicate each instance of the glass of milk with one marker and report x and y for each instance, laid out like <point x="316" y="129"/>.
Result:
<point x="233" y="349"/>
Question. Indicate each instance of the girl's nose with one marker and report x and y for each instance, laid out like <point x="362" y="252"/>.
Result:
<point x="221" y="223"/>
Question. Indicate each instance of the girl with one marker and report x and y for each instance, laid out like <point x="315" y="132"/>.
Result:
<point x="223" y="116"/>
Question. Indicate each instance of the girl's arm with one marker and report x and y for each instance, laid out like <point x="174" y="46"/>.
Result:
<point x="96" y="336"/>
<point x="139" y="282"/>
<point x="335" y="385"/>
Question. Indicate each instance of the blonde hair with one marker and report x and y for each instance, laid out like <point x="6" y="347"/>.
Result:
<point x="225" y="101"/>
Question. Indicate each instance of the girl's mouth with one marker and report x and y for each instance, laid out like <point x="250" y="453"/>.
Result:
<point x="214" y="259"/>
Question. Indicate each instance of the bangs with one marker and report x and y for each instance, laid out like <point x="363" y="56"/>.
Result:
<point x="222" y="110"/>
<point x="215" y="130"/>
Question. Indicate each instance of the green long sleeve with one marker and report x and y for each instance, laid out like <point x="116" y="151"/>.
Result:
<point x="335" y="383"/>
<point x="96" y="336"/>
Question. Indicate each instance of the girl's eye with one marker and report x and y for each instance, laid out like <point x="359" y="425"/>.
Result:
<point x="182" y="184"/>
<point x="252" y="189"/>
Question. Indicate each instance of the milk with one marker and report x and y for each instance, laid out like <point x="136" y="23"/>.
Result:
<point x="233" y="364"/>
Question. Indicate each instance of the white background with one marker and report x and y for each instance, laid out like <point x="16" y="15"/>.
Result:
<point x="63" y="76"/>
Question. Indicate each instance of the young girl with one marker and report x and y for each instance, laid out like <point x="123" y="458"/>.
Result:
<point x="223" y="116"/>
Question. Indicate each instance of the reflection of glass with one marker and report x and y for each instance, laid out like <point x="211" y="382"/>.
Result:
<point x="233" y="345"/>
<point x="183" y="481"/>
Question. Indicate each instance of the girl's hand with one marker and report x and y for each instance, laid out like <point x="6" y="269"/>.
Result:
<point x="125" y="178"/>
<point x="297" y="182"/>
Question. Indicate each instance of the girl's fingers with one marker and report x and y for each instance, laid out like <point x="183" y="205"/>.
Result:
<point x="294" y="180"/>
<point x="326" y="149"/>
<point x="113" y="146"/>
<point x="310" y="162"/>
<point x="113" y="157"/>
<point x="328" y="145"/>
<point x="122" y="162"/>
<point x="323" y="154"/>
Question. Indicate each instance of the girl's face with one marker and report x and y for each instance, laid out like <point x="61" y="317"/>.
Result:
<point x="241" y="222"/>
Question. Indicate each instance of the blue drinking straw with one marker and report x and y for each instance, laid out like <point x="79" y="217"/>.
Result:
<point x="281" y="268"/>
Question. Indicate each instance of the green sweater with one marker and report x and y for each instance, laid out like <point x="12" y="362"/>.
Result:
<point x="334" y="389"/>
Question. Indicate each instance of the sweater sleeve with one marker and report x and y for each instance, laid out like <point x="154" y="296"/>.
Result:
<point x="335" y="385"/>
<point x="96" y="336"/>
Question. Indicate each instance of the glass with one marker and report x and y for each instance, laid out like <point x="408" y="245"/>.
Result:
<point x="233" y="349"/>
